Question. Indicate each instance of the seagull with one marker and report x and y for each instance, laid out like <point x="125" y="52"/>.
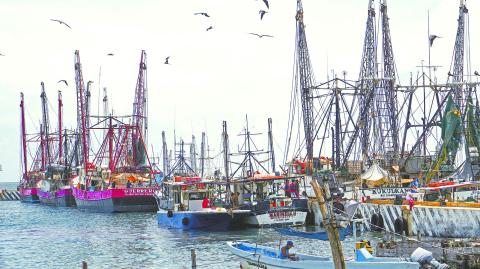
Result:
<point x="166" y="60"/>
<point x="209" y="28"/>
<point x="476" y="73"/>
<point x="266" y="3"/>
<point x="1" y="54"/>
<point x="202" y="13"/>
<point x="262" y="13"/>
<point x="110" y="54"/>
<point x="260" y="36"/>
<point x="61" y="22"/>
<point x="450" y="74"/>
<point x="64" y="81"/>
<point x="431" y="38"/>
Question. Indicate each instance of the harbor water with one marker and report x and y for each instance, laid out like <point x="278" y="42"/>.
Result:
<point x="37" y="236"/>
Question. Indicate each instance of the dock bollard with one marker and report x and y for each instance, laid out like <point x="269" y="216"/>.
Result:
<point x="84" y="265"/>
<point x="194" y="258"/>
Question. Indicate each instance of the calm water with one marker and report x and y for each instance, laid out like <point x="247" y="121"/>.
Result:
<point x="37" y="236"/>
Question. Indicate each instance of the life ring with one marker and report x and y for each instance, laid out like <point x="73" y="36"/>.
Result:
<point x="185" y="221"/>
<point x="398" y="226"/>
<point x="169" y="213"/>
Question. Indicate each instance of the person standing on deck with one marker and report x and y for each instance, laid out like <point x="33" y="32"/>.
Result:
<point x="205" y="202"/>
<point x="410" y="200"/>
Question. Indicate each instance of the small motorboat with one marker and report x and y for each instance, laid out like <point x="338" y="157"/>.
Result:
<point x="256" y="256"/>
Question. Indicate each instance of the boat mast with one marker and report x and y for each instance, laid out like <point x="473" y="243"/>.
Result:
<point x="24" y="138"/>
<point x="81" y="112"/>
<point x="305" y="81"/>
<point x="166" y="162"/>
<point x="60" y="139"/>
<point x="193" y="155"/>
<point x="139" y="108"/>
<point x="226" y="153"/>
<point x="45" y="128"/>
<point x="202" y="155"/>
<point x="270" y="145"/>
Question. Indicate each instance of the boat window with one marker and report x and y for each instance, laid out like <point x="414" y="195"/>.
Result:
<point x="197" y="195"/>
<point x="176" y="197"/>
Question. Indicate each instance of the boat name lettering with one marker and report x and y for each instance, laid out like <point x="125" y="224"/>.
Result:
<point x="282" y="214"/>
<point x="384" y="192"/>
<point x="138" y="191"/>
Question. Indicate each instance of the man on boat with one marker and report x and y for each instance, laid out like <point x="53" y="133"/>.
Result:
<point x="205" y="202"/>
<point x="285" y="251"/>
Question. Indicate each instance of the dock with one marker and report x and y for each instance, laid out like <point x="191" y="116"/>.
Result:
<point x="9" y="195"/>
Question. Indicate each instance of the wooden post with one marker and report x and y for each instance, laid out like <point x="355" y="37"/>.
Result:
<point x="194" y="258"/>
<point x="84" y="265"/>
<point x="407" y="215"/>
<point x="331" y="227"/>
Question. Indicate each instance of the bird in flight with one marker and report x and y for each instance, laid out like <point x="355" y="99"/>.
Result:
<point x="110" y="54"/>
<point x="450" y="74"/>
<point x="260" y="36"/>
<point x="1" y="54"/>
<point x="202" y="13"/>
<point x="262" y="13"/>
<point x="209" y="28"/>
<point x="431" y="38"/>
<point x="61" y="22"/>
<point x="166" y="60"/>
<point x="266" y="3"/>
<point x="476" y="73"/>
<point x="64" y="81"/>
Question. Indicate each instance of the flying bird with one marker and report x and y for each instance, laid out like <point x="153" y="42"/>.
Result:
<point x="476" y="73"/>
<point x="61" y="22"/>
<point x="260" y="36"/>
<point x="266" y="3"/>
<point x="450" y="74"/>
<point x="202" y="13"/>
<point x="64" y="81"/>
<point x="1" y="54"/>
<point x="166" y="60"/>
<point x="431" y="38"/>
<point x="110" y="54"/>
<point x="209" y="28"/>
<point x="262" y="13"/>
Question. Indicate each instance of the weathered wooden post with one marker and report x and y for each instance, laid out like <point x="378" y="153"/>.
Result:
<point x="407" y="216"/>
<point x="84" y="265"/>
<point x="331" y="227"/>
<point x="194" y="258"/>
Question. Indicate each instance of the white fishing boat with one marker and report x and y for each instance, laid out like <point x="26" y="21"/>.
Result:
<point x="256" y="256"/>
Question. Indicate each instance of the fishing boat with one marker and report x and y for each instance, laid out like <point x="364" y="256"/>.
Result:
<point x="121" y="193"/>
<point x="270" y="201"/>
<point x="55" y="189"/>
<point x="256" y="256"/>
<point x="194" y="203"/>
<point x="28" y="194"/>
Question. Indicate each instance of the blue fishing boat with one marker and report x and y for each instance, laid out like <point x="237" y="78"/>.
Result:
<point x="320" y="235"/>
<point x="256" y="256"/>
<point x="191" y="204"/>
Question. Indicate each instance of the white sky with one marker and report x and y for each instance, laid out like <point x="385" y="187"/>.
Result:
<point x="218" y="75"/>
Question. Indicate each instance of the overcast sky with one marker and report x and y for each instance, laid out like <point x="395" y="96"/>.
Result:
<point x="218" y="75"/>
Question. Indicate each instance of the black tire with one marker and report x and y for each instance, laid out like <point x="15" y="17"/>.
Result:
<point x="169" y="213"/>
<point x="381" y="224"/>
<point x="405" y="226"/>
<point x="374" y="222"/>
<point x="398" y="225"/>
<point x="185" y="221"/>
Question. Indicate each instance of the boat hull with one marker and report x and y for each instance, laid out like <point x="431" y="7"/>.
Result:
<point x="116" y="200"/>
<point x="29" y="195"/>
<point x="59" y="198"/>
<point x="253" y="256"/>
<point x="199" y="220"/>
<point x="277" y="218"/>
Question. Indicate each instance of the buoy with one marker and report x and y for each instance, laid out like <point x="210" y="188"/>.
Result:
<point x="185" y="221"/>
